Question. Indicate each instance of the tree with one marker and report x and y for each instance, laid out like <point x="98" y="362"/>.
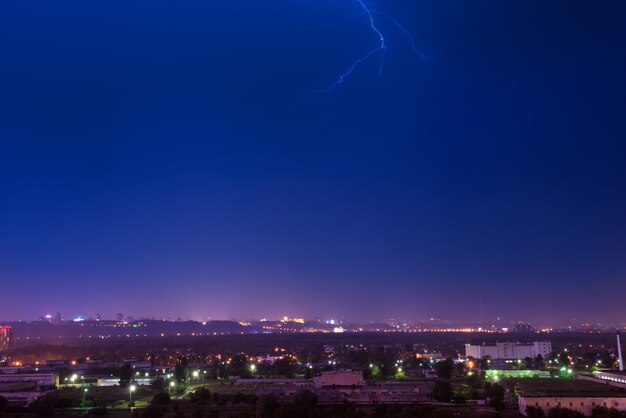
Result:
<point x="564" y="413"/>
<point x="266" y="405"/>
<point x="285" y="367"/>
<point x="126" y="374"/>
<point x="528" y="362"/>
<point x="42" y="407"/>
<point x="161" y="398"/>
<point x="484" y="362"/>
<point x="539" y="363"/>
<point x="534" y="412"/>
<point x="152" y="411"/>
<point x="159" y="384"/>
<point x="201" y="395"/>
<point x="444" y="368"/>
<point x="442" y="391"/>
<point x="181" y="371"/>
<point x="495" y="393"/>
<point x="604" y="412"/>
<point x="459" y="398"/>
<point x="239" y="366"/>
<point x="476" y="380"/>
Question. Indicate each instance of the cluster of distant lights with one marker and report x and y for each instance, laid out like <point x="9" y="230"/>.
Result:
<point x="282" y="329"/>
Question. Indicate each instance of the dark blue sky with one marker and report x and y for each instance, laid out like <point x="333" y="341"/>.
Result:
<point x="165" y="158"/>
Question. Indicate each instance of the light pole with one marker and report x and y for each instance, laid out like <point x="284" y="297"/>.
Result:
<point x="84" y="394"/>
<point x="130" y="395"/>
<point x="172" y="384"/>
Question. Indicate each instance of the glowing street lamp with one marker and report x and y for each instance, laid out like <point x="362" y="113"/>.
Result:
<point x="172" y="384"/>
<point x="131" y="389"/>
<point x="85" y="390"/>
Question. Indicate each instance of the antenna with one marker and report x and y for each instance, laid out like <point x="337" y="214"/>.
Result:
<point x="619" y="353"/>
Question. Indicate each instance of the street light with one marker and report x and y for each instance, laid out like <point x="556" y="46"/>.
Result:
<point x="130" y="394"/>
<point x="84" y="394"/>
<point x="172" y="384"/>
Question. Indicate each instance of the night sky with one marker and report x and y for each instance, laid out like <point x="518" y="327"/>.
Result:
<point x="168" y="158"/>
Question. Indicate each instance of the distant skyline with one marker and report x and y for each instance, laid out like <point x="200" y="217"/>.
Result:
<point x="168" y="159"/>
<point x="428" y="321"/>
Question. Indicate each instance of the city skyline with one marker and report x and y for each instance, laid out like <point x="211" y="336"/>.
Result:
<point x="496" y="323"/>
<point x="322" y="158"/>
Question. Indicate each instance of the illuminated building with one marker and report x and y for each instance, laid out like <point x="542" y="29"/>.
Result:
<point x="5" y="337"/>
<point x="509" y="350"/>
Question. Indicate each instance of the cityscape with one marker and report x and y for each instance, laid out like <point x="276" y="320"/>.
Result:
<point x="296" y="367"/>
<point x="313" y="209"/>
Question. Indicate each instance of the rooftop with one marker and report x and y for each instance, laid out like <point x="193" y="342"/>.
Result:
<point x="563" y="388"/>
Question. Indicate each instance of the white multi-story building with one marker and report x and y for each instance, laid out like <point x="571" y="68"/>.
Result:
<point x="509" y="350"/>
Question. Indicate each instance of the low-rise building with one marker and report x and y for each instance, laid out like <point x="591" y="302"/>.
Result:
<point x="582" y="404"/>
<point x="41" y="379"/>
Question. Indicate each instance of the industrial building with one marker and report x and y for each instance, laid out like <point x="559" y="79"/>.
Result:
<point x="582" y="404"/>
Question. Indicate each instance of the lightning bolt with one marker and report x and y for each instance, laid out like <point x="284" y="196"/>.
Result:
<point x="409" y="35"/>
<point x="381" y="48"/>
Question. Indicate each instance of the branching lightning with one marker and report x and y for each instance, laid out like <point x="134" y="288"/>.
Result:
<point x="409" y="35"/>
<point x="381" y="48"/>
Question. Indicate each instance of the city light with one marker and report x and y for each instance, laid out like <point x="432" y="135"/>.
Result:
<point x="131" y="389"/>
